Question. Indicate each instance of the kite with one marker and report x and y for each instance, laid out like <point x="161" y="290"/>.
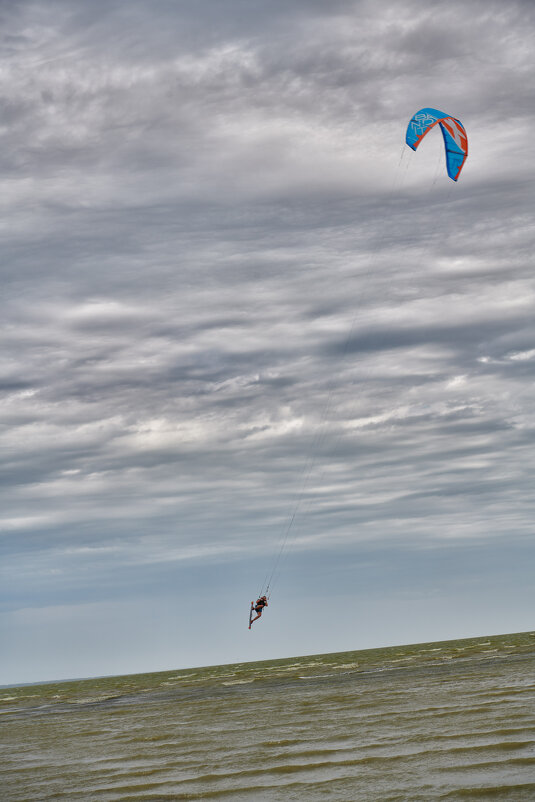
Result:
<point x="453" y="131"/>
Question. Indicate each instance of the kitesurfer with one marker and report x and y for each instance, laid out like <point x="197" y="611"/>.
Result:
<point x="258" y="607"/>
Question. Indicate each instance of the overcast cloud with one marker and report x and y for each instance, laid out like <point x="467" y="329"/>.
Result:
<point x="230" y="294"/>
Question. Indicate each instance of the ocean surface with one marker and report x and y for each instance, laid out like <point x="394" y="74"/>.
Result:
<point x="448" y="721"/>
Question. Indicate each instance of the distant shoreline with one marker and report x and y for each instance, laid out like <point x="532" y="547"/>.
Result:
<point x="253" y="662"/>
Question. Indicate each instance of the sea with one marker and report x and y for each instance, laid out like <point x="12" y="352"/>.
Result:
<point x="450" y="720"/>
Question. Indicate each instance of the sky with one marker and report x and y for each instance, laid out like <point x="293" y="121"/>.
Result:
<point x="241" y="320"/>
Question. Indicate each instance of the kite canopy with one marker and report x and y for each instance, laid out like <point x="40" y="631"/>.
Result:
<point x="455" y="139"/>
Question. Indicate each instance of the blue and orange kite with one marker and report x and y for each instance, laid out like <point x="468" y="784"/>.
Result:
<point x="455" y="139"/>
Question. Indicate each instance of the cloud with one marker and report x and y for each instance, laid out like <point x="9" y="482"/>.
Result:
<point x="231" y="294"/>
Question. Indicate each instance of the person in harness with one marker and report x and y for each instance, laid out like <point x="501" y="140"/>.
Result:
<point x="258" y="607"/>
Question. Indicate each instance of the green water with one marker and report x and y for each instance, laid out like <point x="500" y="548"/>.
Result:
<point x="452" y="720"/>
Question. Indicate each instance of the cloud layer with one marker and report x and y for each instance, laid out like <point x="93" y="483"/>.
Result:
<point x="230" y="294"/>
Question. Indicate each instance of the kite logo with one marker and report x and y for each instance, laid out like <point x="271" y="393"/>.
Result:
<point x="420" y="122"/>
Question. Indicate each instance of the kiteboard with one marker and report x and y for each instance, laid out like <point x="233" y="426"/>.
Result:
<point x="251" y="614"/>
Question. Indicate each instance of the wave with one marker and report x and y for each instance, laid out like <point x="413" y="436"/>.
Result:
<point x="488" y="792"/>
